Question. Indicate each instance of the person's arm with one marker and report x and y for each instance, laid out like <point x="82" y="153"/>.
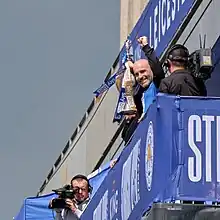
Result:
<point x="153" y="61"/>
<point x="78" y="213"/>
<point x="154" y="64"/>
<point x="73" y="208"/>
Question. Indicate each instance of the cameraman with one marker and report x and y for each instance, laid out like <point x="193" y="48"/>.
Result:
<point x="180" y="81"/>
<point x="76" y="206"/>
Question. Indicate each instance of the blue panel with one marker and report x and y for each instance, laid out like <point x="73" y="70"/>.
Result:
<point x="36" y="208"/>
<point x="159" y="22"/>
<point x="21" y="214"/>
<point x="173" y="155"/>
<point x="200" y="179"/>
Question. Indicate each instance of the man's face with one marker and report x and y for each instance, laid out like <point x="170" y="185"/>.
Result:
<point x="143" y="73"/>
<point x="82" y="189"/>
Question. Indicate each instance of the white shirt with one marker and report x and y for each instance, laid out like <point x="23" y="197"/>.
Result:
<point x="67" y="214"/>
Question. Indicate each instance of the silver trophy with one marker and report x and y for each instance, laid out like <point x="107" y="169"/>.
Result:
<point x="129" y="81"/>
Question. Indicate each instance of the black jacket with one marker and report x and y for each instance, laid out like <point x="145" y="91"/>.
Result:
<point x="182" y="82"/>
<point x="158" y="73"/>
<point x="155" y="65"/>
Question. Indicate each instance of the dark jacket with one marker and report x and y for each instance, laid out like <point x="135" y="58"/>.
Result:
<point x="182" y="82"/>
<point x="155" y="65"/>
<point x="158" y="73"/>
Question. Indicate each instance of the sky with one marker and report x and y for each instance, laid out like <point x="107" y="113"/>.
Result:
<point x="53" y="55"/>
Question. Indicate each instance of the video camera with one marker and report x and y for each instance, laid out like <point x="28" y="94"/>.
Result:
<point x="199" y="62"/>
<point x="64" y="193"/>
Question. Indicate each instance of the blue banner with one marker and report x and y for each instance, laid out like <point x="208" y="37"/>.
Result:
<point x="37" y="207"/>
<point x="110" y="82"/>
<point x="173" y="155"/>
<point x="159" y="22"/>
<point x="96" y="178"/>
<point x="201" y="150"/>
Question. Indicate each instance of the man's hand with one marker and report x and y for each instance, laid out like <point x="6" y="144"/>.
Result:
<point x="113" y="162"/>
<point x="71" y="204"/>
<point x="130" y="64"/>
<point x="143" y="41"/>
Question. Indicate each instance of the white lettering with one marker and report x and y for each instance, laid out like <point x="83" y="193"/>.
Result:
<point x="168" y="14"/>
<point x="163" y="21"/>
<point x="97" y="213"/>
<point x="125" y="189"/>
<point x="196" y="130"/>
<point x="159" y="15"/>
<point x="101" y="211"/>
<point x="178" y="5"/>
<point x="165" y="13"/>
<point x="194" y="162"/>
<point x="130" y="193"/>
<point x="105" y="206"/>
<point x="135" y="196"/>
<point x="218" y="148"/>
<point x="173" y="12"/>
<point x="114" y="205"/>
<point x="150" y="43"/>
<point x="208" y="121"/>
<point x="155" y="27"/>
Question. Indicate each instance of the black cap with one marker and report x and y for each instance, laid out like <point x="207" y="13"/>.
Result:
<point x="178" y="52"/>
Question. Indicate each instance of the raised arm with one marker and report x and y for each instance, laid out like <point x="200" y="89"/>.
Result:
<point x="153" y="60"/>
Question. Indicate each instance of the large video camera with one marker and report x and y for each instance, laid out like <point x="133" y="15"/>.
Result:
<point x="200" y="61"/>
<point x="64" y="193"/>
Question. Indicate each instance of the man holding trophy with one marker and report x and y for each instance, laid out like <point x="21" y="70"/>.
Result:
<point x="146" y="74"/>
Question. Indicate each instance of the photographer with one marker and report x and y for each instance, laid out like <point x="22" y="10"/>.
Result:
<point x="75" y="204"/>
<point x="181" y="81"/>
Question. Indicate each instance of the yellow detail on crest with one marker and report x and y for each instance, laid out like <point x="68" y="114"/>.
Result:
<point x="149" y="153"/>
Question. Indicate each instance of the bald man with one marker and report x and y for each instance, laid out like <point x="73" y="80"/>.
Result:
<point x="144" y="77"/>
<point x="143" y="73"/>
<point x="148" y="74"/>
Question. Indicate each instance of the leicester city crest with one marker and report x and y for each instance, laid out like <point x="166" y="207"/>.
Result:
<point x="149" y="156"/>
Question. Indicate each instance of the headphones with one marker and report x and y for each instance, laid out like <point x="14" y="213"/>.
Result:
<point x="181" y="56"/>
<point x="79" y="176"/>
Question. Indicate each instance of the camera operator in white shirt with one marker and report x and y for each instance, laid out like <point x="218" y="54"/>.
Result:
<point x="76" y="206"/>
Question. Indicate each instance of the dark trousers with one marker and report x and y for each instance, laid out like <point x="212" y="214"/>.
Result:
<point x="129" y="129"/>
